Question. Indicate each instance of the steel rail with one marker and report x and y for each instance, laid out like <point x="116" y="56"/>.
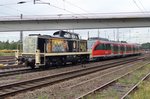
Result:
<point x="12" y="66"/>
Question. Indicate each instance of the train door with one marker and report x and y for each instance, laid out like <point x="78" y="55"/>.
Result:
<point x="125" y="49"/>
<point x="119" y="49"/>
<point x="41" y="44"/>
<point x="112" y="49"/>
<point x="70" y="45"/>
<point x="75" y="46"/>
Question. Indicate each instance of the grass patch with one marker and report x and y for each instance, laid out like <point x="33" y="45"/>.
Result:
<point x="134" y="78"/>
<point x="143" y="92"/>
<point x="7" y="54"/>
<point x="109" y="93"/>
<point x="42" y="96"/>
<point x="127" y="81"/>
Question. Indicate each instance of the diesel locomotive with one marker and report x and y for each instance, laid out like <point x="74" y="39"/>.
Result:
<point x="64" y="47"/>
<point x="47" y="50"/>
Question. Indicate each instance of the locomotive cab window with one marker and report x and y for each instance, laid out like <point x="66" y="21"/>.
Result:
<point x="56" y="34"/>
<point x="67" y="35"/>
<point x="75" y="36"/>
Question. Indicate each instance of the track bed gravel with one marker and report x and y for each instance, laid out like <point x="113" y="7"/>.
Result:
<point x="67" y="90"/>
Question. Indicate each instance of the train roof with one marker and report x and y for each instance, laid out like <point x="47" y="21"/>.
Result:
<point x="66" y="34"/>
<point x="59" y="34"/>
<point x="98" y="38"/>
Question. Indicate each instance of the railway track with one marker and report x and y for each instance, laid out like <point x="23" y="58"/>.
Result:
<point x="112" y="83"/>
<point x="13" y="88"/>
<point x="16" y="71"/>
<point x="21" y="69"/>
<point x="7" y="61"/>
<point x="9" y="67"/>
<point x="6" y="57"/>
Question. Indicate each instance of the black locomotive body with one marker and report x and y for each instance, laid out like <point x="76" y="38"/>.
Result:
<point x="61" y="48"/>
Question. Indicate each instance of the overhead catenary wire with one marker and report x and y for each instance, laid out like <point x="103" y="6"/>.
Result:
<point x="76" y="6"/>
<point x="142" y="5"/>
<point x="41" y="2"/>
<point x="134" y="1"/>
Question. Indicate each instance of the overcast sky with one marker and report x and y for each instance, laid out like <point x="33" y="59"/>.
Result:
<point x="11" y="8"/>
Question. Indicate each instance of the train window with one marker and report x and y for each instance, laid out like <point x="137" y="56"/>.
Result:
<point x="108" y="47"/>
<point x="133" y="49"/>
<point x="128" y="48"/>
<point x="73" y="37"/>
<point x="100" y="47"/>
<point x="67" y="35"/>
<point x="116" y="48"/>
<point x="56" y="34"/>
<point x="122" y="48"/>
<point x="90" y="43"/>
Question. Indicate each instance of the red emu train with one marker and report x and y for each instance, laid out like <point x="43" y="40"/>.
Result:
<point x="103" y="48"/>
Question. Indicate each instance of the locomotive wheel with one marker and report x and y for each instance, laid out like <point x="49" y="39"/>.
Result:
<point x="31" y="64"/>
<point x="63" y="61"/>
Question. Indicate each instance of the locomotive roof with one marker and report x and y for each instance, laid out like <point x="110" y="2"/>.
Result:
<point x="61" y="31"/>
<point x="59" y="34"/>
<point x="65" y="34"/>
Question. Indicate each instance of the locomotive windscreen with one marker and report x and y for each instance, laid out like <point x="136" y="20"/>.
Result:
<point x="30" y="44"/>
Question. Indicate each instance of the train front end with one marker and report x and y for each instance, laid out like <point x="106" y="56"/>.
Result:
<point x="30" y="55"/>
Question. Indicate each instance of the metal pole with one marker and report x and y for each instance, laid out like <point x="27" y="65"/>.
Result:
<point x="21" y="34"/>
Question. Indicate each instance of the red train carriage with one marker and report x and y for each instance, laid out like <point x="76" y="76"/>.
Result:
<point x="100" y="48"/>
<point x="103" y="48"/>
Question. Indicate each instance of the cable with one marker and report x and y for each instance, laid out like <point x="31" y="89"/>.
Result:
<point x="142" y="5"/>
<point x="75" y="6"/>
<point x="137" y="5"/>
<point x="42" y="2"/>
<point x="61" y="9"/>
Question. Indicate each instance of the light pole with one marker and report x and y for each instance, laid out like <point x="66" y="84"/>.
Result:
<point x="21" y="32"/>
